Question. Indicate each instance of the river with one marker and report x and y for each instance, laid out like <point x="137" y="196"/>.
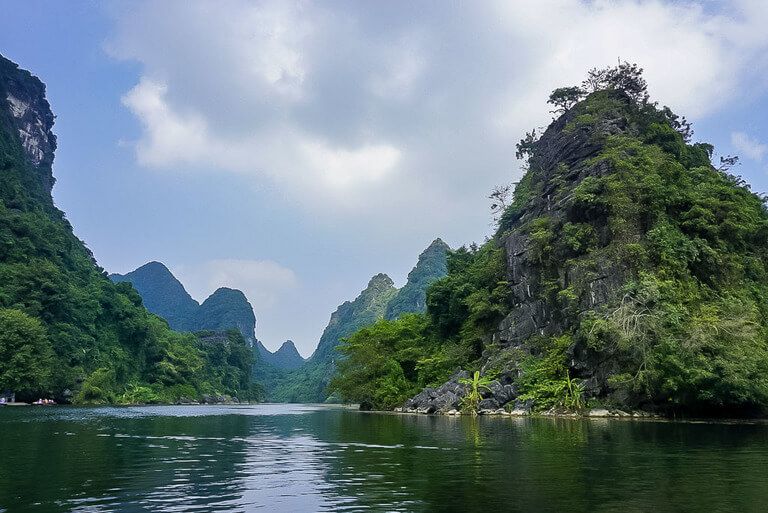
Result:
<point x="296" y="458"/>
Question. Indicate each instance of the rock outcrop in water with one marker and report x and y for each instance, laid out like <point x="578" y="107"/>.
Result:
<point x="628" y="271"/>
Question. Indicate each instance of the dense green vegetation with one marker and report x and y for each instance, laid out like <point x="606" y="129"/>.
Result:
<point x="66" y="331"/>
<point x="163" y="295"/>
<point x="391" y="360"/>
<point x="308" y="383"/>
<point x="650" y="271"/>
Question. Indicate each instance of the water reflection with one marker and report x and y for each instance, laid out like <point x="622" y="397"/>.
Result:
<point x="315" y="458"/>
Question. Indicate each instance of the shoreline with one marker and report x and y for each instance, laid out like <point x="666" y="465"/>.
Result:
<point x="594" y="414"/>
<point x="599" y="414"/>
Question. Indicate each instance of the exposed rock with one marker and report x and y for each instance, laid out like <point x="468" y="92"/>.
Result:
<point x="450" y="394"/>
<point x="526" y="405"/>
<point x="489" y="404"/>
<point x="30" y="117"/>
<point x="218" y="399"/>
<point x="566" y="152"/>
<point x="502" y="393"/>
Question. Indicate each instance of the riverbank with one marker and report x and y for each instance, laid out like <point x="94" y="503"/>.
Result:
<point x="592" y="414"/>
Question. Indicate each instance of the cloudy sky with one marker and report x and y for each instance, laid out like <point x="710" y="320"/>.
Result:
<point x="294" y="149"/>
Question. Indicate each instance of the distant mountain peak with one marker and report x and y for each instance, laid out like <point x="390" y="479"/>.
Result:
<point x="287" y="357"/>
<point x="431" y="266"/>
<point x="380" y="280"/>
<point x="164" y="295"/>
<point x="154" y="265"/>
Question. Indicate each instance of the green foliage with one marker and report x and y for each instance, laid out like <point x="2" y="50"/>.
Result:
<point x="690" y="329"/>
<point x="475" y="386"/>
<point x="430" y="267"/>
<point x="563" y="98"/>
<point x="381" y="364"/>
<point x="309" y="382"/>
<point x="379" y="300"/>
<point x="25" y="355"/>
<point x="652" y="262"/>
<point x="524" y="191"/>
<point x="98" y="388"/>
<point x="546" y="377"/>
<point x="391" y="360"/>
<point x="473" y="298"/>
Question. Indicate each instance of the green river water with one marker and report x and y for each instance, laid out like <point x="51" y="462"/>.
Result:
<point x="297" y="458"/>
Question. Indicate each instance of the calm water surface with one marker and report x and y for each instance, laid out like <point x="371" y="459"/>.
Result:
<point x="318" y="458"/>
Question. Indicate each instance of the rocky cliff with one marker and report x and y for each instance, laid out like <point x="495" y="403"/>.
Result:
<point x="28" y="117"/>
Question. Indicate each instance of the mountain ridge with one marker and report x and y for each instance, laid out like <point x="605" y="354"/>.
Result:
<point x="164" y="295"/>
<point x="286" y="357"/>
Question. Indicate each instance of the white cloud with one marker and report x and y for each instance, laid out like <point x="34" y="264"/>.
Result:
<point x="392" y="113"/>
<point x="748" y="146"/>
<point x="290" y="158"/>
<point x="169" y="138"/>
<point x="340" y="167"/>
<point x="263" y="282"/>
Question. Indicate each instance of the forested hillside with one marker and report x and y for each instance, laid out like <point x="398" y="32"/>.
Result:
<point x="66" y="331"/>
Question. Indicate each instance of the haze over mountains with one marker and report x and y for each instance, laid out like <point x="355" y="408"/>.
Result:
<point x="286" y="357"/>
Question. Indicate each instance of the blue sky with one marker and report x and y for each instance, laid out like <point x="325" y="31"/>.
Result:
<point x="295" y="149"/>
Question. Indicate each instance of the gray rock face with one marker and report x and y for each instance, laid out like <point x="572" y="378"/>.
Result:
<point x="23" y="104"/>
<point x="565" y="155"/>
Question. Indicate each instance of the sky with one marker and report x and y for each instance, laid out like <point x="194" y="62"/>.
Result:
<point x="295" y="149"/>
